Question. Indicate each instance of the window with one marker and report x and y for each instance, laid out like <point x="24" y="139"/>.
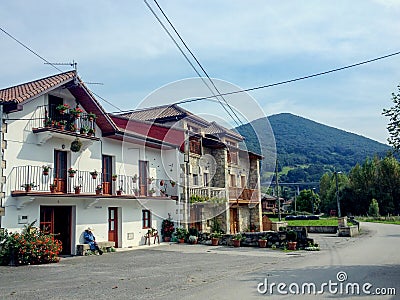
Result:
<point x="195" y="146"/>
<point x="233" y="180"/>
<point x="206" y="179"/>
<point x="195" y="179"/>
<point x="243" y="181"/>
<point x="146" y="218"/>
<point x="233" y="157"/>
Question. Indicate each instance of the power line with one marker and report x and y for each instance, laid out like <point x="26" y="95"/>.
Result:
<point x="295" y="79"/>
<point x="199" y="64"/>
<point x="29" y="49"/>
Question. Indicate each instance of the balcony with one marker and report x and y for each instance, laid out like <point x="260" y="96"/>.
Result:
<point x="236" y="193"/>
<point x="68" y="184"/>
<point x="68" y="124"/>
<point x="207" y="195"/>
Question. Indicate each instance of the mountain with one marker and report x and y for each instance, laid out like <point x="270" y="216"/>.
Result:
<point x="306" y="149"/>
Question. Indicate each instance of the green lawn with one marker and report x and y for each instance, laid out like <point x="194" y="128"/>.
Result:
<point x="320" y="222"/>
<point x="386" y="220"/>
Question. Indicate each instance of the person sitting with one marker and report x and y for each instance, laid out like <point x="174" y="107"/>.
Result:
<point x="91" y="240"/>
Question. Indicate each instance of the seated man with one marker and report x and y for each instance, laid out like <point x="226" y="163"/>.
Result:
<point x="91" y="240"/>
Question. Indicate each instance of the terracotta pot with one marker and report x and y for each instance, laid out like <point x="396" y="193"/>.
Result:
<point x="28" y="189"/>
<point x="77" y="191"/>
<point x="119" y="193"/>
<point x="167" y="239"/>
<point x="94" y="176"/>
<point x="52" y="189"/>
<point x="45" y="173"/>
<point x="181" y="241"/>
<point x="236" y="243"/>
<point x="71" y="174"/>
<point x="262" y="243"/>
<point x="98" y="192"/>
<point x="214" y="241"/>
<point x="292" y="245"/>
<point x="114" y="178"/>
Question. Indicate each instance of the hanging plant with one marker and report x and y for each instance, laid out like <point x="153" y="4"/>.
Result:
<point x="76" y="145"/>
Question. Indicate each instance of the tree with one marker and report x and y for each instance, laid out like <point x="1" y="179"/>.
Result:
<point x="374" y="208"/>
<point x="308" y="201"/>
<point x="394" y="120"/>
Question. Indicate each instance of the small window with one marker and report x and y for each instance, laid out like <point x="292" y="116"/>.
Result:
<point x="233" y="180"/>
<point x="195" y="179"/>
<point x="206" y="179"/>
<point x="146" y="217"/>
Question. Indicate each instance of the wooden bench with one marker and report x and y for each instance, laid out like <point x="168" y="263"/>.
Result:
<point x="81" y="249"/>
<point x="150" y="235"/>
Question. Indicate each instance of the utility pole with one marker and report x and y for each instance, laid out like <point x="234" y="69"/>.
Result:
<point x="337" y="194"/>
<point x="277" y="191"/>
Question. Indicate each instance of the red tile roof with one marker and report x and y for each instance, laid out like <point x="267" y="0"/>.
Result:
<point x="25" y="91"/>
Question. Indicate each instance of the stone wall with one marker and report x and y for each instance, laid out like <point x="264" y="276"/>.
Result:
<point x="220" y="176"/>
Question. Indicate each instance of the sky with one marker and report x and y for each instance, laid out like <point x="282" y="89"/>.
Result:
<point x="244" y="43"/>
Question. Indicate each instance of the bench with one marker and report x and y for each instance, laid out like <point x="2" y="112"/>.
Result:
<point x="82" y="249"/>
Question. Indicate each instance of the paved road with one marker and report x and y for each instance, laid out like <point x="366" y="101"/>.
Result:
<point x="205" y="272"/>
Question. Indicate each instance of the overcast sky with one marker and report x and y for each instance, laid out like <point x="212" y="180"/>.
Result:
<point x="247" y="43"/>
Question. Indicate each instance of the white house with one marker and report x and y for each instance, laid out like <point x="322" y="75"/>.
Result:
<point x="37" y="133"/>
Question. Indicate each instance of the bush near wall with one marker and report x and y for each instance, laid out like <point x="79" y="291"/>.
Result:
<point x="29" y="247"/>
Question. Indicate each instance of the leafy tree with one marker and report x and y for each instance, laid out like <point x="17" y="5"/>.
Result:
<point x="308" y="201"/>
<point x="394" y="120"/>
<point x="374" y="208"/>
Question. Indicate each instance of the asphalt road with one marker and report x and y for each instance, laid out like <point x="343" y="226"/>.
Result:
<point x="205" y="272"/>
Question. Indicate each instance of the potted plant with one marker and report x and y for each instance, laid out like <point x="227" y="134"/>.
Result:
<point x="77" y="189"/>
<point x="215" y="236"/>
<point x="236" y="239"/>
<point x="28" y="186"/>
<point x="71" y="172"/>
<point x="135" y="178"/>
<point x="192" y="239"/>
<point x="61" y="124"/>
<point x="53" y="187"/>
<point x="167" y="229"/>
<point x="46" y="170"/>
<point x="83" y="130"/>
<point x="90" y="132"/>
<point x="114" y="177"/>
<point x="94" y="174"/>
<point x="99" y="188"/>
<point x="62" y="108"/>
<point x="152" y="192"/>
<point x="262" y="242"/>
<point x="150" y="180"/>
<point x="291" y="237"/>
<point x="181" y="234"/>
<point x="91" y="116"/>
<point x="48" y="123"/>
<point x="76" y="112"/>
<point x="76" y="145"/>
<point x="172" y="183"/>
<point x="119" y="191"/>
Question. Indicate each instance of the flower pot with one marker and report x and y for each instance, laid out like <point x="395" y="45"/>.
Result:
<point x="119" y="193"/>
<point x="181" y="241"/>
<point x="71" y="174"/>
<point x="262" y="243"/>
<point x="236" y="243"/>
<point x="292" y="245"/>
<point x="114" y="178"/>
<point x="161" y="182"/>
<point x="167" y="239"/>
<point x="77" y="191"/>
<point x="28" y="189"/>
<point x="62" y="127"/>
<point x="45" y="173"/>
<point x="90" y="119"/>
<point x="52" y="189"/>
<point x="98" y="192"/>
<point x="214" y="241"/>
<point x="94" y="176"/>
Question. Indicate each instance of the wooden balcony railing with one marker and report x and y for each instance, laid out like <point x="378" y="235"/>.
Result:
<point x="243" y="194"/>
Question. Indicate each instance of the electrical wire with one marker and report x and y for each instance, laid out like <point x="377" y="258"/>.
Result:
<point x="202" y="68"/>
<point x="29" y="49"/>
<point x="293" y="80"/>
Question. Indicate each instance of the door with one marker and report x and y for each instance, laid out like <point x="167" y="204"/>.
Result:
<point x="113" y="225"/>
<point x="107" y="174"/>
<point x="60" y="170"/>
<point x="143" y="177"/>
<point x="234" y="220"/>
<point x="56" y="220"/>
<point x="54" y="114"/>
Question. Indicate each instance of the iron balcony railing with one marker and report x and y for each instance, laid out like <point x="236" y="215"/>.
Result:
<point x="66" y="183"/>
<point x="207" y="192"/>
<point x="48" y="117"/>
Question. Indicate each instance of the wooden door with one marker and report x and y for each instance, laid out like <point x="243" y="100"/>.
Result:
<point x="107" y="174"/>
<point x="47" y="219"/>
<point x="60" y="170"/>
<point x="234" y="220"/>
<point x="143" y="177"/>
<point x="113" y="225"/>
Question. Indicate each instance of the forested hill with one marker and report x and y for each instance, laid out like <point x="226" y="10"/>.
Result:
<point x="312" y="148"/>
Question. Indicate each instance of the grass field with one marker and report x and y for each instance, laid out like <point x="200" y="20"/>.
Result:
<point x="386" y="220"/>
<point x="320" y="222"/>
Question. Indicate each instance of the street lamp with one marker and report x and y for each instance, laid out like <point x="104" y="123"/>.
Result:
<point x="337" y="193"/>
<point x="312" y="200"/>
